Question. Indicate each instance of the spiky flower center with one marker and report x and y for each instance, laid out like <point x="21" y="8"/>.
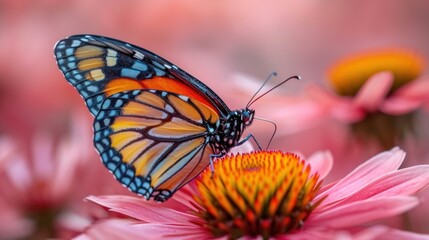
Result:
<point x="348" y="75"/>
<point x="256" y="194"/>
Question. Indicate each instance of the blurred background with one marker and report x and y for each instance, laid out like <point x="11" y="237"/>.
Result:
<point x="232" y="46"/>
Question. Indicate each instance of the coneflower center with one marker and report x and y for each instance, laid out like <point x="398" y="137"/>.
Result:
<point x="256" y="194"/>
<point x="348" y="75"/>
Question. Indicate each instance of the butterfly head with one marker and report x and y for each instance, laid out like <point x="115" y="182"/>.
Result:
<point x="247" y="116"/>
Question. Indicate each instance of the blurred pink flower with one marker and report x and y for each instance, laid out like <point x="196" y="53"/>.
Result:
<point x="375" y="190"/>
<point x="42" y="186"/>
<point x="378" y="96"/>
<point x="384" y="81"/>
<point x="373" y="97"/>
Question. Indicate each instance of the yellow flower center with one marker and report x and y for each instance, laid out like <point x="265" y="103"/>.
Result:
<point x="348" y="75"/>
<point x="256" y="194"/>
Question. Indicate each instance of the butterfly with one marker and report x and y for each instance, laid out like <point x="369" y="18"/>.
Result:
<point x="156" y="127"/>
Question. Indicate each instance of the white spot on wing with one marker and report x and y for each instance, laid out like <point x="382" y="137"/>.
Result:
<point x="138" y="55"/>
<point x="111" y="53"/>
<point x="119" y="103"/>
<point x="139" y="66"/>
<point x="69" y="51"/>
<point x="184" y="98"/>
<point x="75" y="43"/>
<point x="92" y="88"/>
<point x="78" y="77"/>
<point x="168" y="108"/>
<point x="97" y="74"/>
<point x="111" y="61"/>
<point x="71" y="65"/>
<point x="128" y="72"/>
<point x="61" y="45"/>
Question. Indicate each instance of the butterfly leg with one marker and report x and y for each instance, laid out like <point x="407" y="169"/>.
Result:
<point x="212" y="157"/>
<point x="247" y="138"/>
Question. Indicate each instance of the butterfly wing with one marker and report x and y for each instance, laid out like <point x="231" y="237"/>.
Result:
<point x="152" y="118"/>
<point x="99" y="67"/>
<point x="153" y="141"/>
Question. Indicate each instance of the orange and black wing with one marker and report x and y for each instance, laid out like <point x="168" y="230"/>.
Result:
<point x="99" y="67"/>
<point x="153" y="142"/>
<point x="152" y="118"/>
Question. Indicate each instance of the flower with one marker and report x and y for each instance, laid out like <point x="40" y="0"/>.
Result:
<point x="381" y="81"/>
<point x="264" y="193"/>
<point x="42" y="185"/>
<point x="378" y="94"/>
<point x="346" y="208"/>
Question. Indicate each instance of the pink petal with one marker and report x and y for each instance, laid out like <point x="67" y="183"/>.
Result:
<point x="125" y="229"/>
<point x="7" y="148"/>
<point x="348" y="112"/>
<point x="162" y="231"/>
<point x="13" y="224"/>
<point x="399" y="106"/>
<point x="184" y="197"/>
<point x="408" y="98"/>
<point x="322" y="96"/>
<point x="321" y="162"/>
<point x="375" y="167"/>
<point x="294" y="115"/>
<point x="310" y="233"/>
<point x="374" y="91"/>
<point x="113" y="229"/>
<point x="342" y="108"/>
<point x="19" y="173"/>
<point x="417" y="89"/>
<point x="395" y="234"/>
<point x="43" y="146"/>
<point x="371" y="232"/>
<point x="356" y="213"/>
<point x="406" y="181"/>
<point x="141" y="209"/>
<point x="83" y="236"/>
<point x="364" y="233"/>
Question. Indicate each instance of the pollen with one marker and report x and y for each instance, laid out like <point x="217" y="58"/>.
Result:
<point x="348" y="75"/>
<point x="256" y="194"/>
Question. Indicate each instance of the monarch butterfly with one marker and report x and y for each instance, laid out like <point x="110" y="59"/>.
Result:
<point x="156" y="127"/>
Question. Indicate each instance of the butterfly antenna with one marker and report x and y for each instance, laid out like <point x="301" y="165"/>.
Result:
<point x="252" y="100"/>
<point x="274" y="132"/>
<point x="263" y="84"/>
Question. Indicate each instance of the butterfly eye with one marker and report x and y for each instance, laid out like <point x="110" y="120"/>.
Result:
<point x="248" y="117"/>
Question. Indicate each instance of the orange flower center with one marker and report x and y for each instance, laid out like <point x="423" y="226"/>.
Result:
<point x="256" y="194"/>
<point x="348" y="75"/>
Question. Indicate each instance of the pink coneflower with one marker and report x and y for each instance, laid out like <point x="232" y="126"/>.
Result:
<point x="377" y="93"/>
<point x="273" y="194"/>
<point x="42" y="185"/>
